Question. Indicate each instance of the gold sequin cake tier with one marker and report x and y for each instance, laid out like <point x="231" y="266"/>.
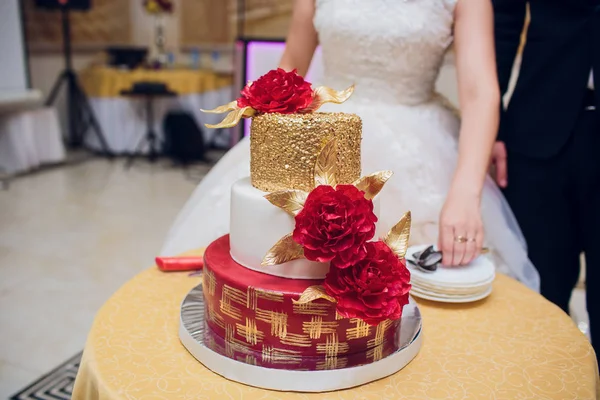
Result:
<point x="258" y="313"/>
<point x="284" y="148"/>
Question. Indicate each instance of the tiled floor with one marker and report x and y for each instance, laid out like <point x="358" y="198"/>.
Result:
<point x="69" y="238"/>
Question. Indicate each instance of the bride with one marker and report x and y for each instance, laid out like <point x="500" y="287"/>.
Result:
<point x="392" y="51"/>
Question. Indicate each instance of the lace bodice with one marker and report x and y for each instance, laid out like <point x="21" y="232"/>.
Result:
<point x="391" y="49"/>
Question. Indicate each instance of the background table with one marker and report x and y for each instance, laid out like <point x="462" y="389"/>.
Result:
<point x="123" y="119"/>
<point x="29" y="138"/>
<point x="513" y="345"/>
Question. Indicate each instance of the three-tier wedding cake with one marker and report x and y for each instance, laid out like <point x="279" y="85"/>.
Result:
<point x="305" y="281"/>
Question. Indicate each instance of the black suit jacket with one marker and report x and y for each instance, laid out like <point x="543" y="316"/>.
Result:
<point x="563" y="44"/>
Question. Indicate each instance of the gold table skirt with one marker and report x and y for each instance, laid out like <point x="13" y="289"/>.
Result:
<point x="513" y="345"/>
<point x="109" y="82"/>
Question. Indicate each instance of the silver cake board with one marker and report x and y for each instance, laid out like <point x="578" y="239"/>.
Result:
<point x="193" y="331"/>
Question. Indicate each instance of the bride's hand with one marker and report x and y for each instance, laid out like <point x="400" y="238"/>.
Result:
<point x="461" y="228"/>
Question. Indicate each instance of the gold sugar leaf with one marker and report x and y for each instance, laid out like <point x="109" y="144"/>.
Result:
<point x="397" y="238"/>
<point x="324" y="95"/>
<point x="291" y="201"/>
<point x="233" y="118"/>
<point x="313" y="293"/>
<point x="372" y="184"/>
<point x="222" y="109"/>
<point x="286" y="249"/>
<point x="326" y="165"/>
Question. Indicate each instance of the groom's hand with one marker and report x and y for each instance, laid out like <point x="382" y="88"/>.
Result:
<point x="499" y="163"/>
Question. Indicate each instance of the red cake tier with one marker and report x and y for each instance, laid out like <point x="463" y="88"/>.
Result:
<point x="254" y="313"/>
<point x="279" y="359"/>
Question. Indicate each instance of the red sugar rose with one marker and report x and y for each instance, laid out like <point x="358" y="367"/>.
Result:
<point x="277" y="91"/>
<point x="335" y="223"/>
<point x="374" y="289"/>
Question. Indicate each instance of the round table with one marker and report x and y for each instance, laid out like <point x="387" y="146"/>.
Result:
<point x="512" y="345"/>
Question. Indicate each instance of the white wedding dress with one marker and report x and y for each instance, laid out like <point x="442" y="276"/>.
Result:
<point x="392" y="50"/>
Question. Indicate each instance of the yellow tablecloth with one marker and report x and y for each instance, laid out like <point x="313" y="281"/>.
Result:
<point x="108" y="82"/>
<point x="513" y="345"/>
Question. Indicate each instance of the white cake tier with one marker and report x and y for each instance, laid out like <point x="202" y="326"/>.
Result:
<point x="256" y="225"/>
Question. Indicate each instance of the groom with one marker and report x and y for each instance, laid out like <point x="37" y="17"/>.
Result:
<point x="547" y="156"/>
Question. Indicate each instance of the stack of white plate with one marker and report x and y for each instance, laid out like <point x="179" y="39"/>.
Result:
<point x="452" y="284"/>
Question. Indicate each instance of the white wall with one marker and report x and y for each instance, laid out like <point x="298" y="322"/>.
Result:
<point x="13" y="76"/>
<point x="142" y="26"/>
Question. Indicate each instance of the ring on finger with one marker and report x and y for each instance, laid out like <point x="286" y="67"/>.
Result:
<point x="471" y="250"/>
<point x="461" y="239"/>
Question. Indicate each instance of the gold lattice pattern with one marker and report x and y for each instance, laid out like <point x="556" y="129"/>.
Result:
<point x="332" y="363"/>
<point x="230" y="341"/>
<point x="316" y="327"/>
<point x="379" y="334"/>
<point x="247" y="331"/>
<point x="229" y="297"/>
<point x="250" y="332"/>
<point x="376" y="353"/>
<point x="280" y="356"/>
<point x="253" y="295"/>
<point x="209" y="283"/>
<point x="247" y="359"/>
<point x="293" y="339"/>
<point x="278" y="321"/>
<point x="214" y="316"/>
<point x="312" y="309"/>
<point x="361" y="330"/>
<point x="332" y="346"/>
<point x="233" y="344"/>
